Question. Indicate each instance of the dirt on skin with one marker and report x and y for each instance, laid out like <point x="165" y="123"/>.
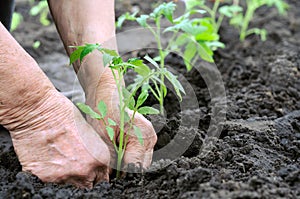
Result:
<point x="257" y="154"/>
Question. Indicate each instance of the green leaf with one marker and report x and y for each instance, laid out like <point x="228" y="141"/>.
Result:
<point x="139" y="135"/>
<point x="230" y="11"/>
<point x="140" y="68"/>
<point x="107" y="59"/>
<point x="111" y="122"/>
<point x="131" y="103"/>
<point x="147" y="110"/>
<point x="44" y="17"/>
<point x="214" y="45"/>
<point x="189" y="53"/>
<point x="37" y="9"/>
<point x="176" y="84"/>
<point x="88" y="48"/>
<point x="142" y="20"/>
<point x="193" y="29"/>
<point x="237" y="20"/>
<point x="110" y="132"/>
<point x="17" y="18"/>
<point x="207" y="36"/>
<point x="110" y="52"/>
<point x="181" y="39"/>
<point x="149" y="59"/>
<point x="126" y="16"/>
<point x="36" y="44"/>
<point x="102" y="108"/>
<point x="88" y="110"/>
<point x="165" y="9"/>
<point x="204" y="52"/>
<point x="168" y="11"/>
<point x="190" y="4"/>
<point x="117" y="60"/>
<point x="142" y="98"/>
<point x="76" y="54"/>
<point x="126" y="117"/>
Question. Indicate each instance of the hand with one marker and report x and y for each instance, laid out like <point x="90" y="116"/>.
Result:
<point x="136" y="153"/>
<point x="57" y="145"/>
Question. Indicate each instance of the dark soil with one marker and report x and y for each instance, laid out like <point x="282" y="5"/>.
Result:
<point x="257" y="152"/>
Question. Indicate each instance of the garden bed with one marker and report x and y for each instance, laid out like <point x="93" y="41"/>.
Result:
<point x="257" y="152"/>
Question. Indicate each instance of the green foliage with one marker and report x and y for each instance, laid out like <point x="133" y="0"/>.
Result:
<point x="42" y="10"/>
<point x="17" y="18"/>
<point x="242" y="19"/>
<point x="127" y="95"/>
<point x="196" y="33"/>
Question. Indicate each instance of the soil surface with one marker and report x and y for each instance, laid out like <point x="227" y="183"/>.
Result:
<point x="257" y="151"/>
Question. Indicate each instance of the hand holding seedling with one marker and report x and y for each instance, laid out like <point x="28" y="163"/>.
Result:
<point x="140" y="154"/>
<point x="51" y="138"/>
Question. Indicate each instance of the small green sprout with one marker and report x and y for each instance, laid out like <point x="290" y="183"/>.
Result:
<point x="41" y="9"/>
<point x="128" y="98"/>
<point x="241" y="20"/>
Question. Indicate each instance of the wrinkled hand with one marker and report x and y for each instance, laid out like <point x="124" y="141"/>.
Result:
<point x="58" y="145"/>
<point x="136" y="153"/>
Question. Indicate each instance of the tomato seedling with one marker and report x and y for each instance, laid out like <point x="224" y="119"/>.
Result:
<point x="241" y="20"/>
<point x="197" y="39"/>
<point x="128" y="98"/>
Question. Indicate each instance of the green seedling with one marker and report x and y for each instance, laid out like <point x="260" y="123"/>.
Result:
<point x="42" y="10"/>
<point x="128" y="98"/>
<point x="197" y="39"/>
<point x="216" y="14"/>
<point x="241" y="20"/>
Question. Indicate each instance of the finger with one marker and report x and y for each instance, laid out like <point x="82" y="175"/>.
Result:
<point x="136" y="152"/>
<point x="102" y="174"/>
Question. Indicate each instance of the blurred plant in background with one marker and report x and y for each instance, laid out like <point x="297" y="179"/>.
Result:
<point x="40" y="9"/>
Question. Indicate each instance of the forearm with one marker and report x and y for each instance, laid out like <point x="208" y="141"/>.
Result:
<point x="79" y="22"/>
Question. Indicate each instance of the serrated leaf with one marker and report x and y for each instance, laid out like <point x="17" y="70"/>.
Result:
<point x="88" y="110"/>
<point x="176" y="84"/>
<point x="189" y="53"/>
<point x="75" y="55"/>
<point x="147" y="110"/>
<point x="229" y="11"/>
<point x="205" y="53"/>
<point x="111" y="122"/>
<point x="139" y="135"/>
<point x="149" y="59"/>
<point x="142" y="20"/>
<point x="140" y="68"/>
<point x="102" y="108"/>
<point x="110" y="132"/>
<point x="181" y="39"/>
<point x="131" y="103"/>
<point x="117" y="60"/>
<point x="193" y="3"/>
<point x="88" y="48"/>
<point x="112" y="53"/>
<point x="193" y="29"/>
<point x="237" y="20"/>
<point x="126" y="117"/>
<point x="142" y="98"/>
<point x="169" y="10"/>
<point x="107" y="59"/>
<point x="126" y="16"/>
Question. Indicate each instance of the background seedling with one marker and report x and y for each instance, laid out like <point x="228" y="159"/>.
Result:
<point x="241" y="20"/>
<point x="197" y="39"/>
